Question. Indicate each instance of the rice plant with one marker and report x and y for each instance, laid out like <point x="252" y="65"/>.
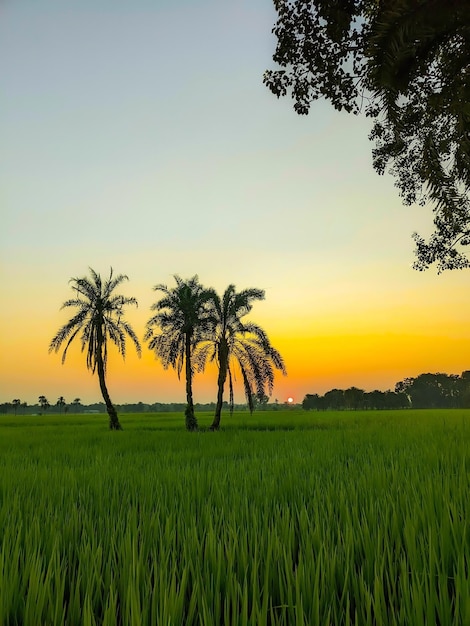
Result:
<point x="290" y="519"/>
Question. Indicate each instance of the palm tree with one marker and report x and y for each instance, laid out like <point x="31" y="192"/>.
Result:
<point x="16" y="403"/>
<point x="76" y="403"/>
<point x="181" y="317"/>
<point x="233" y="341"/>
<point x="44" y="403"/>
<point x="100" y="317"/>
<point x="61" y="403"/>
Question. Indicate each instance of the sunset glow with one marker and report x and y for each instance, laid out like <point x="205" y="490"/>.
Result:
<point x="123" y="155"/>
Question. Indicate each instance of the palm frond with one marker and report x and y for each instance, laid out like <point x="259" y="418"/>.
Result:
<point x="244" y="344"/>
<point x="111" y="283"/>
<point x="65" y="331"/>
<point x="100" y="317"/>
<point x="247" y="388"/>
<point x="181" y="312"/>
<point x="230" y="390"/>
<point x="71" y="338"/>
<point x="202" y="354"/>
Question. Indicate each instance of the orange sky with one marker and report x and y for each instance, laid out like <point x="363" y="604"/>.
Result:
<point x="339" y="342"/>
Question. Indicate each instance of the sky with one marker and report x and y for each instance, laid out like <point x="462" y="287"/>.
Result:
<point x="138" y="135"/>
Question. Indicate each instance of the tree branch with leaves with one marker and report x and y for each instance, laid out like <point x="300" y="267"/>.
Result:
<point x="405" y="64"/>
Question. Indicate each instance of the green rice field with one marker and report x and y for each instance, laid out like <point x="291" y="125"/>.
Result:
<point x="283" y="518"/>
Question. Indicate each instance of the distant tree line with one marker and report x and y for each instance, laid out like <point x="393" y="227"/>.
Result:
<point x="43" y="406"/>
<point x="17" y="407"/>
<point x="426" y="391"/>
<point x="355" y="399"/>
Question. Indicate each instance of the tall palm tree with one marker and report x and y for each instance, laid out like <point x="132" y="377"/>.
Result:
<point x="100" y="317"/>
<point x="61" y="403"/>
<point x="16" y="403"/>
<point x="234" y="342"/>
<point x="181" y="317"/>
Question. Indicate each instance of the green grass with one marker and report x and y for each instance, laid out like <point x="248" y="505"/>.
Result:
<point x="288" y="518"/>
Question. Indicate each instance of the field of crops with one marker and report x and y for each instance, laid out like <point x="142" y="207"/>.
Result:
<point x="286" y="518"/>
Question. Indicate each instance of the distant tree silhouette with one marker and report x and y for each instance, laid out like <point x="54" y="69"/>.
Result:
<point x="99" y="319"/>
<point x="44" y="403"/>
<point x="16" y="403"/>
<point x="76" y="403"/>
<point x="233" y="341"/>
<point x="176" y="328"/>
<point x="312" y="401"/>
<point x="465" y="389"/>
<point x="334" y="399"/>
<point x="424" y="391"/>
<point x="433" y="390"/>
<point x="354" y="398"/>
<point x="61" y="403"/>
<point x="259" y="403"/>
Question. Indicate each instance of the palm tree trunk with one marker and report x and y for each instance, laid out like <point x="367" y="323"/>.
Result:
<point x="222" y="377"/>
<point x="114" y="423"/>
<point x="190" y="418"/>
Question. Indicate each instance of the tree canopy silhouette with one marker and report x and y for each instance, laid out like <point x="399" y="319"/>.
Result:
<point x="436" y="390"/>
<point x="406" y="63"/>
<point x="180" y="321"/>
<point x="99" y="319"/>
<point x="61" y="403"/>
<point x="43" y="402"/>
<point x="232" y="341"/>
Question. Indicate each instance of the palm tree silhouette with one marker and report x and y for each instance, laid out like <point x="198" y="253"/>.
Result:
<point x="44" y="403"/>
<point x="181" y="317"/>
<point x="61" y="403"/>
<point x="100" y="317"/>
<point x="233" y="342"/>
